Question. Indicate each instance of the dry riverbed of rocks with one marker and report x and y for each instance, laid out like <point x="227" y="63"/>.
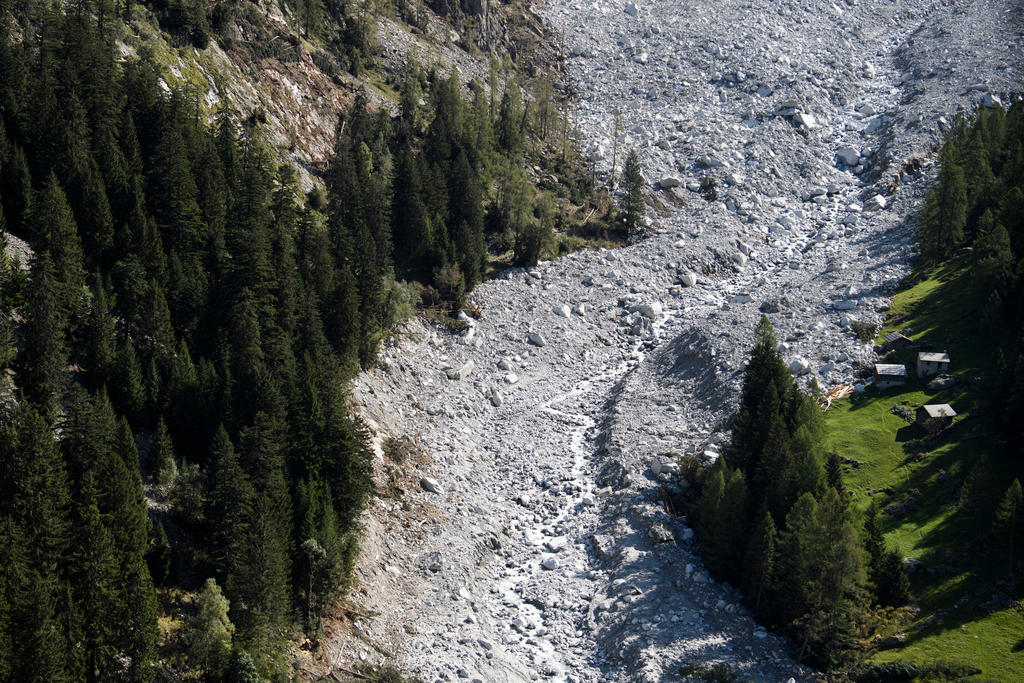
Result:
<point x="526" y="540"/>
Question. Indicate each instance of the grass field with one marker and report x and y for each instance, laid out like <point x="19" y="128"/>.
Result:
<point x="963" y="590"/>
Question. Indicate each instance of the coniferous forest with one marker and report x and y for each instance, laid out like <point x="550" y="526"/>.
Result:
<point x="181" y="340"/>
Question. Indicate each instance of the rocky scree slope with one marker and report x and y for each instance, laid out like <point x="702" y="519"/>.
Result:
<point x="532" y="543"/>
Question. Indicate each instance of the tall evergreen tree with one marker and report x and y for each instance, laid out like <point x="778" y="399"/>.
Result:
<point x="1010" y="521"/>
<point x="944" y="216"/>
<point x="43" y="360"/>
<point x="55" y="223"/>
<point x="633" y="205"/>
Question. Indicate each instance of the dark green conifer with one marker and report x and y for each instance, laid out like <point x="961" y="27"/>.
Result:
<point x="1010" y="521"/>
<point x="944" y="216"/>
<point x="42" y="373"/>
<point x="633" y="205"/>
<point x="164" y="462"/>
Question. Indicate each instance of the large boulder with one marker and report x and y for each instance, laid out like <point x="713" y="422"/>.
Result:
<point x="659" y="533"/>
<point x="604" y="546"/>
<point x="430" y="484"/>
<point x="461" y="372"/>
<point x="875" y="203"/>
<point x="806" y="120"/>
<point x="800" y="366"/>
<point x="688" y="278"/>
<point x="536" y="339"/>
<point x="651" y="310"/>
<point x="849" y="156"/>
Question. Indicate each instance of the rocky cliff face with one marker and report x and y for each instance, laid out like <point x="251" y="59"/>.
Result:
<point x="528" y="538"/>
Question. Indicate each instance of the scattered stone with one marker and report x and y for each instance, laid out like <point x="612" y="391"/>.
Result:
<point x="536" y="339"/>
<point x="942" y="382"/>
<point x="658" y="533"/>
<point x="461" y="372"/>
<point x="431" y="485"/>
<point x="800" y="366"/>
<point x="651" y="310"/>
<point x="849" y="156"/>
<point x="603" y="546"/>
<point x="875" y="203"/>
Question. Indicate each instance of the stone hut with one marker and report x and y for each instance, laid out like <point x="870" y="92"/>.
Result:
<point x="929" y="363"/>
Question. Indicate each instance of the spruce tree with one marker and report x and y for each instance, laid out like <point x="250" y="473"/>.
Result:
<point x="164" y="463"/>
<point x="43" y="361"/>
<point x="633" y="206"/>
<point x="761" y="567"/>
<point x="210" y="632"/>
<point x="892" y="583"/>
<point x="94" y="583"/>
<point x="55" y="224"/>
<point x="944" y="216"/>
<point x="1010" y="520"/>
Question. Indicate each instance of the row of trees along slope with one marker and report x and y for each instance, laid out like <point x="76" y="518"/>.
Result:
<point x="774" y="519"/>
<point x="188" y="305"/>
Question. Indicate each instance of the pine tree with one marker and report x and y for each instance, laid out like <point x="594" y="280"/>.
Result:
<point x="825" y="572"/>
<point x="173" y="193"/>
<point x="765" y="369"/>
<point x="43" y="361"/>
<point x="94" y="580"/>
<point x="102" y="351"/>
<point x="158" y="554"/>
<point x="137" y="635"/>
<point x="1010" y="520"/>
<point x="241" y="668"/>
<point x="892" y="583"/>
<point x="834" y="472"/>
<point x="975" y="507"/>
<point x="944" y="216"/>
<point x="712" y="502"/>
<point x="210" y="632"/>
<point x="509" y="128"/>
<point x="762" y="567"/>
<point x="994" y="259"/>
<point x="55" y="224"/>
<point x="633" y="205"/>
<point x="165" y="466"/>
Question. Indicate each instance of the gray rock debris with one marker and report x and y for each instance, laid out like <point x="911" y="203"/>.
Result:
<point x="600" y="396"/>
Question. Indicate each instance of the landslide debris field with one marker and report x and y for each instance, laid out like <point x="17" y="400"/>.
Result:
<point x="787" y="146"/>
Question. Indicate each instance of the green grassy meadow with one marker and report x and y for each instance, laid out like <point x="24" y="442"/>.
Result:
<point x="959" y="577"/>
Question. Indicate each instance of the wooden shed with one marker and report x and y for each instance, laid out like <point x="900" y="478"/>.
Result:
<point x="935" y="417"/>
<point x="929" y="363"/>
<point x="890" y="375"/>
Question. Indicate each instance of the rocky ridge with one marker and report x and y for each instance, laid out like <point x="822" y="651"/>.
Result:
<point x="791" y="144"/>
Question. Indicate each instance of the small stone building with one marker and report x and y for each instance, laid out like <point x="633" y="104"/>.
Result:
<point x="935" y="417"/>
<point x="890" y="375"/>
<point x="929" y="363"/>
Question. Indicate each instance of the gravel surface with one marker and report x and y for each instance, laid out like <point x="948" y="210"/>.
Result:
<point x="530" y="544"/>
